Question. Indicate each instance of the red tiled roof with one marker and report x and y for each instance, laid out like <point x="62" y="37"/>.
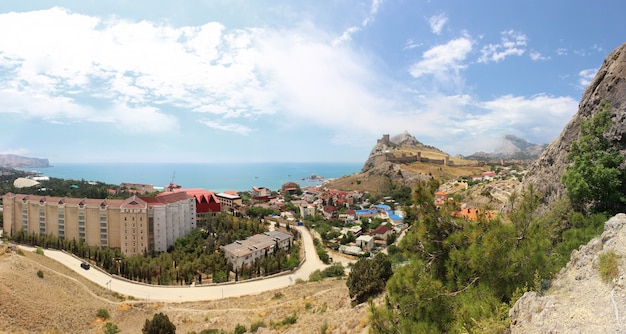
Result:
<point x="382" y="229"/>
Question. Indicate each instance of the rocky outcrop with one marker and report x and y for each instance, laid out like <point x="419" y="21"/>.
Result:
<point x="579" y="301"/>
<point x="16" y="161"/>
<point x="377" y="163"/>
<point x="608" y="85"/>
<point x="386" y="144"/>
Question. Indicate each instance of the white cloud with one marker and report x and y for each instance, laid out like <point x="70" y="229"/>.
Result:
<point x="536" y="56"/>
<point x="56" y="58"/>
<point x="229" y="127"/>
<point x="346" y="36"/>
<point x="586" y="76"/>
<point x="539" y="118"/>
<point x="373" y="11"/>
<point x="411" y="44"/>
<point x="437" y="22"/>
<point x="443" y="61"/>
<point x="561" y="51"/>
<point x="152" y="77"/>
<point x="512" y="43"/>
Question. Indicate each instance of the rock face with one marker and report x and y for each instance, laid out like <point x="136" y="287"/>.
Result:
<point x="16" y="161"/>
<point x="511" y="148"/>
<point x="608" y="85"/>
<point x="579" y="301"/>
<point x="377" y="164"/>
<point x="377" y="155"/>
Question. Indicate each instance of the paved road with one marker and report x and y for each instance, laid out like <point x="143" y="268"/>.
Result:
<point x="195" y="293"/>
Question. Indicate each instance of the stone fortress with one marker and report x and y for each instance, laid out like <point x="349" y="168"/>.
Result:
<point x="405" y="158"/>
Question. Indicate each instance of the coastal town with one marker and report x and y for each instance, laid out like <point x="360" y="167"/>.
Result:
<point x="141" y="218"/>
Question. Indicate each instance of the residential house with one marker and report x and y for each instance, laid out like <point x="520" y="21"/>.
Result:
<point x="329" y="212"/>
<point x="244" y="252"/>
<point x="488" y="175"/>
<point x="441" y="197"/>
<point x="260" y="192"/>
<point x="366" y="242"/>
<point x="382" y="232"/>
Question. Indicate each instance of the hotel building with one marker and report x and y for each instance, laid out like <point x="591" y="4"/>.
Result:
<point x="135" y="225"/>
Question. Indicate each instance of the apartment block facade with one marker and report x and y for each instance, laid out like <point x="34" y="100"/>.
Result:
<point x="133" y="225"/>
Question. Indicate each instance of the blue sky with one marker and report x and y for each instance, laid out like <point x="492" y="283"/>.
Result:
<point x="213" y="81"/>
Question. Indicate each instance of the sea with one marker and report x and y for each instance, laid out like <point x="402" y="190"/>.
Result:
<point x="217" y="177"/>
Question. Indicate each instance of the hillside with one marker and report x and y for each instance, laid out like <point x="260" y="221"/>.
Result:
<point x="16" y="161"/>
<point x="402" y="160"/>
<point x="29" y="307"/>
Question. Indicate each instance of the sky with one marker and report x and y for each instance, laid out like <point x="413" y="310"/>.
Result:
<point x="298" y="81"/>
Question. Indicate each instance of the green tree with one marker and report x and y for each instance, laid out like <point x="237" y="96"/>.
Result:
<point x="594" y="177"/>
<point x="160" y="324"/>
<point x="369" y="277"/>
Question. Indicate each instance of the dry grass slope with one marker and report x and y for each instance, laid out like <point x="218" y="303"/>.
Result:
<point x="63" y="302"/>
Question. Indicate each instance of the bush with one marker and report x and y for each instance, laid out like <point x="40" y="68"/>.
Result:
<point x="335" y="270"/>
<point x="111" y="328"/>
<point x="40" y="274"/>
<point x="240" y="329"/>
<point x="607" y="265"/>
<point x="316" y="276"/>
<point x="289" y="320"/>
<point x="103" y="313"/>
<point x="38" y="250"/>
<point x="160" y="324"/>
<point x="256" y="325"/>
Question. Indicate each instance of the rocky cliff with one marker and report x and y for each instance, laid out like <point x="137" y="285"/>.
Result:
<point x="386" y="144"/>
<point x="377" y="164"/>
<point x="608" y="85"/>
<point x="17" y="161"/>
<point x="579" y="300"/>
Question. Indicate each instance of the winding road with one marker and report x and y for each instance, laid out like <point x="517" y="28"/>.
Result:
<point x="190" y="292"/>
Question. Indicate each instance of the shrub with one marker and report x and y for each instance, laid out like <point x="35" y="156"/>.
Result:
<point x="240" y="329"/>
<point x="289" y="320"/>
<point x="38" y="250"/>
<point x="103" y="313"/>
<point x="256" y="325"/>
<point x="111" y="328"/>
<point x="160" y="324"/>
<point x="324" y="327"/>
<point x="335" y="270"/>
<point x="315" y="276"/>
<point x="39" y="273"/>
<point x="608" y="266"/>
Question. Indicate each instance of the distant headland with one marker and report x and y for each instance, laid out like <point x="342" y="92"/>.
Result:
<point x="17" y="161"/>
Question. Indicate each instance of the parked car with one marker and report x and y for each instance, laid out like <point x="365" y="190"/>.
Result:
<point x="85" y="265"/>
